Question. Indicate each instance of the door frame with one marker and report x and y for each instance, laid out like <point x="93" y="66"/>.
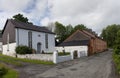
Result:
<point x="39" y="47"/>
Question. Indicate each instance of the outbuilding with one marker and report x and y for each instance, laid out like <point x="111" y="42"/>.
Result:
<point x="83" y="40"/>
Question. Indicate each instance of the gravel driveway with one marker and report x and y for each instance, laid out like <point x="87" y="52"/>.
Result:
<point x="96" y="66"/>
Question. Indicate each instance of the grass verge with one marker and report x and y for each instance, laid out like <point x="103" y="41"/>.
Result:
<point x="10" y="73"/>
<point x="19" y="61"/>
<point x="116" y="59"/>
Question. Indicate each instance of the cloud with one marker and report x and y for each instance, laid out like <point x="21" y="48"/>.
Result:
<point x="33" y="9"/>
<point x="95" y="14"/>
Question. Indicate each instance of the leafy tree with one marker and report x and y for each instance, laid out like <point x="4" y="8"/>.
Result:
<point x="109" y="34"/>
<point x="80" y="27"/>
<point x="60" y="31"/>
<point x="20" y="17"/>
<point x="69" y="29"/>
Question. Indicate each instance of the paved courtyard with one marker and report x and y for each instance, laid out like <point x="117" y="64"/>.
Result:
<point x="96" y="66"/>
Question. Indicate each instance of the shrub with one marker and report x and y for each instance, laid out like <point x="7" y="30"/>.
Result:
<point x="116" y="57"/>
<point x="23" y="50"/>
<point x="117" y="49"/>
<point x="3" y="70"/>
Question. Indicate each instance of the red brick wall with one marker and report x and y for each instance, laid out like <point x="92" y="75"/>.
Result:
<point x="97" y="45"/>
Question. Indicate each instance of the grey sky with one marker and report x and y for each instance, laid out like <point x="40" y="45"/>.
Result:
<point x="95" y="14"/>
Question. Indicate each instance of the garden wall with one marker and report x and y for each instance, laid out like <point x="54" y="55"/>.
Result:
<point x="45" y="57"/>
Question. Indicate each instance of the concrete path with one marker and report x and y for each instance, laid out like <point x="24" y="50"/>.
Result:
<point x="97" y="66"/>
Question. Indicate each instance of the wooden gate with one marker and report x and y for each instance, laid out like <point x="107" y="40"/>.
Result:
<point x="75" y="54"/>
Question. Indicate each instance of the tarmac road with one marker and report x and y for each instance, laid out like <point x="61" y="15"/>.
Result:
<point x="96" y="66"/>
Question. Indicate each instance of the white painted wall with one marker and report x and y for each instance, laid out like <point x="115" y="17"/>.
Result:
<point x="11" y="50"/>
<point x="23" y="40"/>
<point x="45" y="57"/>
<point x="73" y="48"/>
<point x="1" y="46"/>
<point x="58" y="59"/>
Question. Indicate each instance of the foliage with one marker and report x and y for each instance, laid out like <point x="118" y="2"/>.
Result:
<point x="116" y="53"/>
<point x="116" y="59"/>
<point x="3" y="70"/>
<point x="6" y="72"/>
<point x="60" y="53"/>
<point x="62" y="31"/>
<point x="80" y="27"/>
<point x="20" y="17"/>
<point x="63" y="54"/>
<point x="69" y="29"/>
<point x="19" y="61"/>
<point x="23" y="50"/>
<point x="109" y="34"/>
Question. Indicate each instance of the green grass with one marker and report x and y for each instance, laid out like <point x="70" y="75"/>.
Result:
<point x="60" y="53"/>
<point x="19" y="61"/>
<point x="10" y="72"/>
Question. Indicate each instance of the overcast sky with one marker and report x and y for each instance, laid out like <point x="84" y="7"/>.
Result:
<point x="95" y="14"/>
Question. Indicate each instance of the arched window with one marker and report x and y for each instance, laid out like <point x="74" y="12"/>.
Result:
<point x="30" y="39"/>
<point x="46" y="40"/>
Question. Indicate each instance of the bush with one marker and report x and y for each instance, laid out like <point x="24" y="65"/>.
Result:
<point x="23" y="50"/>
<point x="117" y="49"/>
<point x="116" y="57"/>
<point x="3" y="70"/>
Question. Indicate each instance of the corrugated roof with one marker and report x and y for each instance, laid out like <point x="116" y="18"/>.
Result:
<point x="22" y="25"/>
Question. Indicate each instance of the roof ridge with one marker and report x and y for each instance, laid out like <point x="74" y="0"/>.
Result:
<point x="27" y="26"/>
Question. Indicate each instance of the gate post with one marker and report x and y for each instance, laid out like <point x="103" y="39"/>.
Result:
<point x="55" y="55"/>
<point x="78" y="54"/>
<point x="72" y="54"/>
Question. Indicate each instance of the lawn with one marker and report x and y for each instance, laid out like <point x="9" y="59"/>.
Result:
<point x="8" y="72"/>
<point x="19" y="61"/>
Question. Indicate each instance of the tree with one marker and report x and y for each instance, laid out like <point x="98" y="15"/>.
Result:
<point x="60" y="31"/>
<point x="109" y="34"/>
<point x="69" y="29"/>
<point x="20" y="17"/>
<point x="80" y="27"/>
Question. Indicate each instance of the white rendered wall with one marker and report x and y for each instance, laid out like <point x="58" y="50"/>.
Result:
<point x="23" y="39"/>
<point x="1" y="46"/>
<point x="73" y="48"/>
<point x="11" y="50"/>
<point x="45" y="57"/>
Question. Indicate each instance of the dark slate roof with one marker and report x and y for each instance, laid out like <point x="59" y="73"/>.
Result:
<point x="77" y="36"/>
<point x="74" y="43"/>
<point x="22" y="25"/>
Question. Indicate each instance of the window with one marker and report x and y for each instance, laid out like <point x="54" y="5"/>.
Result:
<point x="30" y="39"/>
<point x="46" y="40"/>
